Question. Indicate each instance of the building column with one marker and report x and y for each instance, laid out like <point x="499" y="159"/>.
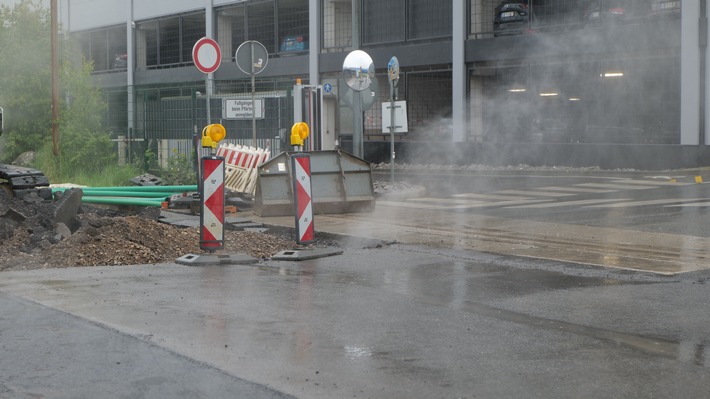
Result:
<point x="130" y="67"/>
<point x="356" y="24"/>
<point x="209" y="32"/>
<point x="313" y="41"/>
<point x="458" y="74"/>
<point x="690" y="74"/>
<point x="704" y="7"/>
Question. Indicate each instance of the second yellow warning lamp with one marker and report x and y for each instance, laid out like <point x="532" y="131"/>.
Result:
<point x="299" y="132"/>
<point x="213" y="134"/>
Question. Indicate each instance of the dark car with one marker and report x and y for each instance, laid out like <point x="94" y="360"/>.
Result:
<point x="608" y="12"/>
<point x="512" y="18"/>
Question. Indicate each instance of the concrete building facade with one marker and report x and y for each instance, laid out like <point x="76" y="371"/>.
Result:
<point x="610" y="83"/>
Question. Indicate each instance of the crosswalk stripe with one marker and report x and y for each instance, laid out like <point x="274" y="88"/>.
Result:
<point x="579" y="190"/>
<point x="489" y="196"/>
<point x="615" y="186"/>
<point x="698" y="204"/>
<point x="649" y="202"/>
<point x="445" y="200"/>
<point x="412" y="205"/>
<point x="470" y="205"/>
<point x="569" y="203"/>
<point x="543" y="197"/>
<point x="534" y="193"/>
<point x="651" y="183"/>
<point x="499" y="203"/>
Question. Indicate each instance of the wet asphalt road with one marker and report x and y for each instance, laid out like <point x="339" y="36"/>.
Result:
<point x="410" y="320"/>
<point x="393" y="322"/>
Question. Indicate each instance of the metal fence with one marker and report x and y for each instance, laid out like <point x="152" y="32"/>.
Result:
<point x="167" y="117"/>
<point x="405" y="20"/>
<point x="428" y="96"/>
<point x="337" y="25"/>
<point x="170" y="123"/>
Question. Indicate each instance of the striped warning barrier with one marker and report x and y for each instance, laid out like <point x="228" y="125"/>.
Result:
<point x="212" y="213"/>
<point x="241" y="166"/>
<point x="302" y="199"/>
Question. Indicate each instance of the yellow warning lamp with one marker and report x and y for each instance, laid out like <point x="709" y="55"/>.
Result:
<point x="299" y="132"/>
<point x="212" y="134"/>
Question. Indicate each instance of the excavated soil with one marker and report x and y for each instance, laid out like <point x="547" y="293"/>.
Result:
<point x="100" y="237"/>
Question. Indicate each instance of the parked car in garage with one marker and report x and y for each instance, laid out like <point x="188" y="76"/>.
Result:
<point x="666" y="7"/>
<point x="294" y="43"/>
<point x="604" y="11"/>
<point x="512" y="18"/>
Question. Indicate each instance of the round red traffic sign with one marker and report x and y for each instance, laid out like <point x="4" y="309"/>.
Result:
<point x="206" y="55"/>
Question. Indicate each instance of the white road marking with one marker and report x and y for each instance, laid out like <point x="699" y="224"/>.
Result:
<point x="579" y="190"/>
<point x="649" y="202"/>
<point x="698" y="204"/>
<point x="651" y="183"/>
<point x="534" y="193"/>
<point x="615" y="186"/>
<point x="570" y="203"/>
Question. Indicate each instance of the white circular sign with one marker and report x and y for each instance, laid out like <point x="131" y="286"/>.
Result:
<point x="206" y="55"/>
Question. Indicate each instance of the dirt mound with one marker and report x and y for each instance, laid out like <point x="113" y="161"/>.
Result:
<point x="39" y="234"/>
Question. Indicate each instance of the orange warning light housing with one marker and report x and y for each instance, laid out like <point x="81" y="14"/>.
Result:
<point x="213" y="134"/>
<point x="299" y="132"/>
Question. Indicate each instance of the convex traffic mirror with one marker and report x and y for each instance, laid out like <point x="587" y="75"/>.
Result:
<point x="358" y="70"/>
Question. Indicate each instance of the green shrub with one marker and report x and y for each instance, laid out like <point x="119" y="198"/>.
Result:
<point x="180" y="170"/>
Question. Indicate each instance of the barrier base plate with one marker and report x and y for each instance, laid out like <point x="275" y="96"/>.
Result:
<point x="206" y="260"/>
<point x="305" y="254"/>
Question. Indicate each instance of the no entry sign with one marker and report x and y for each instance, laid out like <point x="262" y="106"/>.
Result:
<point x="206" y="55"/>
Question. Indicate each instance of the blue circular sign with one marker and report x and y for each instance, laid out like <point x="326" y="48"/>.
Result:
<point x="327" y="87"/>
<point x="393" y="69"/>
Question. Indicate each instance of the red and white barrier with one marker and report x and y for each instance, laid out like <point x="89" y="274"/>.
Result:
<point x="212" y="213"/>
<point x="241" y="170"/>
<point x="302" y="198"/>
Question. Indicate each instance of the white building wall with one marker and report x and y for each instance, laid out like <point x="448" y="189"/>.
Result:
<point x="224" y="2"/>
<point x="158" y="8"/>
<point x="90" y="14"/>
<point x="690" y="75"/>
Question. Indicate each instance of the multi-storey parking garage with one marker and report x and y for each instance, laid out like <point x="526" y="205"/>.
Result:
<point x="611" y="83"/>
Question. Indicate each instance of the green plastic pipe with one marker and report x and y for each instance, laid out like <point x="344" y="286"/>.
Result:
<point x="172" y="189"/>
<point x="123" y="201"/>
<point x="113" y="193"/>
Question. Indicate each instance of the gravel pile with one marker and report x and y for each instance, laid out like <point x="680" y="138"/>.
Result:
<point x="31" y="237"/>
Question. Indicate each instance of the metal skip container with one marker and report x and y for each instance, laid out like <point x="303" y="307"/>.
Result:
<point x="340" y="183"/>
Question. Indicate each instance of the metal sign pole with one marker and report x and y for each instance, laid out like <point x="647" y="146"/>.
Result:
<point x="253" y="100"/>
<point x="208" y="89"/>
<point x="393" y="76"/>
<point x="358" y="147"/>
<point x="392" y="131"/>
<point x="252" y="58"/>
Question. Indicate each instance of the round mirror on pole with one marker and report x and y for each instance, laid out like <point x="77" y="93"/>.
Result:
<point x="358" y="70"/>
<point x="359" y="75"/>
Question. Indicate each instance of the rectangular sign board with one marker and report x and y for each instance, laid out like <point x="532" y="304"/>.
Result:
<point x="239" y="108"/>
<point x="400" y="117"/>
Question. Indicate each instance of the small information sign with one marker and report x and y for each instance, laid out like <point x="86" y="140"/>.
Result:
<point x="400" y="117"/>
<point x="233" y="108"/>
